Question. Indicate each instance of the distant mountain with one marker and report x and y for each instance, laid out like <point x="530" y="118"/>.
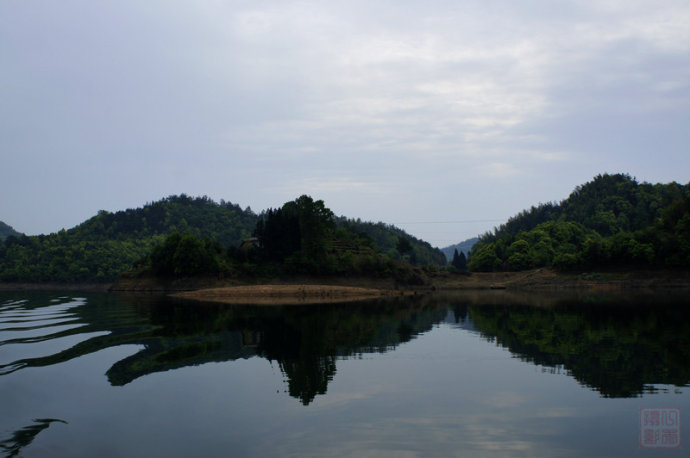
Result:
<point x="6" y="231"/>
<point x="611" y="221"/>
<point x="464" y="247"/>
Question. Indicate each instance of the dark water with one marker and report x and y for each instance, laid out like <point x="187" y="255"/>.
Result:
<point x="480" y="375"/>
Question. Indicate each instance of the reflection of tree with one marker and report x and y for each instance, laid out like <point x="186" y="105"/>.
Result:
<point x="616" y="350"/>
<point x="304" y="341"/>
<point x="26" y="436"/>
<point x="301" y="346"/>
<point x="307" y="341"/>
<point x="460" y="313"/>
<point x="308" y="377"/>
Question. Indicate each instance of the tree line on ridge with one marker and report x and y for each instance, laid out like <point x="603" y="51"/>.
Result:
<point x="611" y="222"/>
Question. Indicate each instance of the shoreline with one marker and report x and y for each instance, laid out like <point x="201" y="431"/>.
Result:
<point x="546" y="280"/>
<point x="55" y="286"/>
<point x="538" y="280"/>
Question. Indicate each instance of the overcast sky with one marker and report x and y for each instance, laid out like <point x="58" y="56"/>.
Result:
<point x="442" y="117"/>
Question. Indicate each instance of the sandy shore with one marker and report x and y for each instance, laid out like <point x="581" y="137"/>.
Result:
<point x="287" y="294"/>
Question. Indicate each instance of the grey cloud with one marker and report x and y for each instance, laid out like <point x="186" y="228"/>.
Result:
<point x="387" y="109"/>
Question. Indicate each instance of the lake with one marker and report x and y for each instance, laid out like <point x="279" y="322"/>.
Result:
<point x="478" y="374"/>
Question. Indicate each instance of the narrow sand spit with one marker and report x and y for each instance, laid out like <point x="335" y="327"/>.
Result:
<point x="286" y="294"/>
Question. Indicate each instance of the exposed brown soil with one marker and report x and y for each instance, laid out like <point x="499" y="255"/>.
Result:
<point x="507" y="283"/>
<point x="337" y="289"/>
<point x="287" y="294"/>
<point x="550" y="280"/>
<point x="162" y="285"/>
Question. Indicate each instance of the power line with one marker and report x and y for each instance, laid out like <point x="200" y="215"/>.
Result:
<point x="454" y="222"/>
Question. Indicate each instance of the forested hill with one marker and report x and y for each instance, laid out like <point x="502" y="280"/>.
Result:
<point x="387" y="238"/>
<point x="108" y="243"/>
<point x="462" y="247"/>
<point x="6" y="231"/>
<point x="611" y="221"/>
<point x="224" y="222"/>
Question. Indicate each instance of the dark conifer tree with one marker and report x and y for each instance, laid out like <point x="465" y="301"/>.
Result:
<point x="462" y="264"/>
<point x="459" y="261"/>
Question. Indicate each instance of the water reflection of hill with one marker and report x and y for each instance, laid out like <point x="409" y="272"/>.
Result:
<point x="617" y="347"/>
<point x="304" y="341"/>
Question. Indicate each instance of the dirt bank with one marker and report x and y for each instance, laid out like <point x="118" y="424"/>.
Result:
<point x="533" y="280"/>
<point x="309" y="291"/>
<point x="163" y="285"/>
<point x="287" y="294"/>
<point x="551" y="280"/>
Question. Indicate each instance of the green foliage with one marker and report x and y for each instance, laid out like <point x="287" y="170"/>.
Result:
<point x="109" y="243"/>
<point x="614" y="349"/>
<point x="518" y="258"/>
<point x="53" y="258"/>
<point x="8" y="231"/>
<point x="225" y="222"/>
<point x="298" y="235"/>
<point x="386" y="237"/>
<point x="279" y="234"/>
<point x="485" y="260"/>
<point x="608" y="222"/>
<point x="187" y="255"/>
<point x="462" y="247"/>
<point x="184" y="236"/>
<point x="459" y="261"/>
<point x="301" y="237"/>
<point x="566" y="261"/>
<point x="403" y="245"/>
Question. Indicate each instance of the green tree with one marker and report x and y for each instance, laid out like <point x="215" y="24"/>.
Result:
<point x="187" y="255"/>
<point x="459" y="260"/>
<point x="485" y="260"/>
<point x="163" y="254"/>
<point x="191" y="257"/>
<point x="298" y="235"/>
<point x="403" y="245"/>
<point x="316" y="224"/>
<point x="517" y="255"/>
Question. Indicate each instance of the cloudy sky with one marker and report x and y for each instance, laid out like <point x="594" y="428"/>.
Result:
<point x="442" y="117"/>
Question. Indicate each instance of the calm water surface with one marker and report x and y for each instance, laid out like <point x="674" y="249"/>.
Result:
<point x="479" y="375"/>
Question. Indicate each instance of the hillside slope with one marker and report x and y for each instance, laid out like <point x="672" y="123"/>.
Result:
<point x="8" y="231"/>
<point x="387" y="237"/>
<point x="103" y="246"/>
<point x="464" y="247"/>
<point x="108" y="243"/>
<point x="612" y="221"/>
